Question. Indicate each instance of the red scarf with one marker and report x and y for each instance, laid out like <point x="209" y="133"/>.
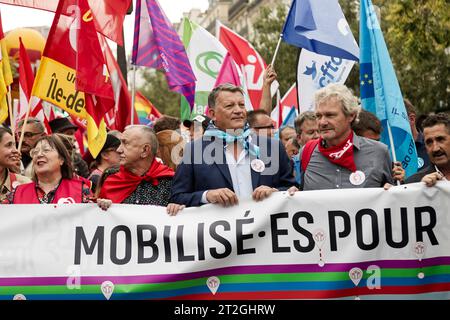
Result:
<point x="120" y="185"/>
<point x="342" y="154"/>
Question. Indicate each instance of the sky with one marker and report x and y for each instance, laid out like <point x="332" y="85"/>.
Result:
<point x="17" y="17"/>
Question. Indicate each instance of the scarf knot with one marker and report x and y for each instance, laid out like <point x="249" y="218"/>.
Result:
<point x="122" y="184"/>
<point x="342" y="154"/>
<point x="242" y="139"/>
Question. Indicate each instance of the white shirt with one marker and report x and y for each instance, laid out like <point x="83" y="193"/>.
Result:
<point x="240" y="174"/>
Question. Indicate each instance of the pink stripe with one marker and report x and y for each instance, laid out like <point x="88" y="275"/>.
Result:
<point x="261" y="269"/>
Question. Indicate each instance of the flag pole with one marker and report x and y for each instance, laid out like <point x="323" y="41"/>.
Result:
<point x="133" y="91"/>
<point x="32" y="103"/>
<point x="11" y="116"/>
<point x="391" y="141"/>
<point x="276" y="50"/>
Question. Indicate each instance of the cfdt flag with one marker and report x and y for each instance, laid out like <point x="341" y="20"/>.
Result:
<point x="157" y="45"/>
<point x="320" y="26"/>
<point x="380" y="91"/>
<point x="315" y="71"/>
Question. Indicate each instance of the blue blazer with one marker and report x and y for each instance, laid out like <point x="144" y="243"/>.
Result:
<point x="204" y="168"/>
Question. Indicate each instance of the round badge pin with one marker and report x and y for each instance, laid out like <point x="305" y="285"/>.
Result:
<point x="357" y="178"/>
<point x="257" y="165"/>
<point x="420" y="162"/>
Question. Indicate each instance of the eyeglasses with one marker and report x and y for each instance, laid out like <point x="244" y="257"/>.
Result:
<point x="29" y="134"/>
<point x="46" y="150"/>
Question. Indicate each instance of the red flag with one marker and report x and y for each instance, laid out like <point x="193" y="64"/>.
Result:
<point x="249" y="60"/>
<point x="228" y="74"/>
<point x="73" y="61"/>
<point x="108" y="15"/>
<point x="120" y="116"/>
<point x="26" y="80"/>
<point x="289" y="99"/>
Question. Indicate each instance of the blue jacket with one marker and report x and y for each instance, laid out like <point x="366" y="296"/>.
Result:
<point x="204" y="168"/>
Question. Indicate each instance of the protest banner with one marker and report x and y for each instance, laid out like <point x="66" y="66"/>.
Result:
<point x="352" y="244"/>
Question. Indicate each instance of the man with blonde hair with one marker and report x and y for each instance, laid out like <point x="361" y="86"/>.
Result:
<point x="340" y="158"/>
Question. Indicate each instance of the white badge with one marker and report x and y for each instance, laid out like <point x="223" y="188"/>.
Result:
<point x="213" y="284"/>
<point x="257" y="165"/>
<point x="107" y="288"/>
<point x="420" y="162"/>
<point x="68" y="200"/>
<point x="357" y="178"/>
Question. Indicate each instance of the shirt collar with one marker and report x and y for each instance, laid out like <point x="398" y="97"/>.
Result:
<point x="356" y="141"/>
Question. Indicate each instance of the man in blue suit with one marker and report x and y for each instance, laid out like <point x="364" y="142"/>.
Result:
<point x="228" y="163"/>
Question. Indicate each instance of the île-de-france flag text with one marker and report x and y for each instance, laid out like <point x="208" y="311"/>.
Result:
<point x="380" y="91"/>
<point x="320" y="26"/>
<point x="72" y="74"/>
<point x="157" y="45"/>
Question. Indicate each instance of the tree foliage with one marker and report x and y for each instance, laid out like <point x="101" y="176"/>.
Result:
<point x="418" y="37"/>
<point x="417" y="34"/>
<point x="156" y="90"/>
<point x="267" y="31"/>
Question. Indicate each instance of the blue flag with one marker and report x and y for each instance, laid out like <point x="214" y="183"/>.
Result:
<point x="380" y="91"/>
<point x="320" y="27"/>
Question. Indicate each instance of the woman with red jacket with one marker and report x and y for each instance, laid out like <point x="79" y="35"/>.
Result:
<point x="54" y="180"/>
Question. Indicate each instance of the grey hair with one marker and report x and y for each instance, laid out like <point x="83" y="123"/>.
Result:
<point x="301" y="118"/>
<point x="148" y="135"/>
<point x="212" y="97"/>
<point x="38" y="123"/>
<point x="343" y="94"/>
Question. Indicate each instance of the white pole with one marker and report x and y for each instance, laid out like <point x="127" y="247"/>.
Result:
<point x="276" y="50"/>
<point x="133" y="92"/>
<point x="391" y="141"/>
<point x="11" y="116"/>
<point x="32" y="103"/>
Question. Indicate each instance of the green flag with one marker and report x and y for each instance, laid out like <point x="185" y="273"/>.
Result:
<point x="206" y="55"/>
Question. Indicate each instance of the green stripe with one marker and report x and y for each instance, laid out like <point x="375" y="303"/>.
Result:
<point x="224" y="279"/>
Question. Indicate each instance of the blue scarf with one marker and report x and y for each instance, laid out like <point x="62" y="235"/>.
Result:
<point x="213" y="131"/>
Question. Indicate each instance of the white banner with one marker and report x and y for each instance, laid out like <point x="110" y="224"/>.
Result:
<point x="315" y="71"/>
<point x="364" y="243"/>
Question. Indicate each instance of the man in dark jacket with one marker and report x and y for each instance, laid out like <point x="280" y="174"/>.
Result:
<point x="228" y="163"/>
<point x="436" y="131"/>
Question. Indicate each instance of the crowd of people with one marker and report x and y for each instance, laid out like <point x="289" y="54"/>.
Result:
<point x="227" y="156"/>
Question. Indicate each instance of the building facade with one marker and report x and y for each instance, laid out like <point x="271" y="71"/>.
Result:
<point x="239" y="15"/>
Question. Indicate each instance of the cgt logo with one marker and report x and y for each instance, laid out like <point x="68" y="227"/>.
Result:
<point x="330" y="72"/>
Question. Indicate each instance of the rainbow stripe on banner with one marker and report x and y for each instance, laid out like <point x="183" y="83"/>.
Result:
<point x="399" y="280"/>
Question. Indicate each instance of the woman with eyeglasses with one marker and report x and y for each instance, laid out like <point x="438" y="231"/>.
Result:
<point x="54" y="181"/>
